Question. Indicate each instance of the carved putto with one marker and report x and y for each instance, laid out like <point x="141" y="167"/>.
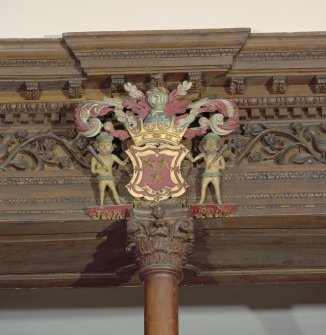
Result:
<point x="157" y="122"/>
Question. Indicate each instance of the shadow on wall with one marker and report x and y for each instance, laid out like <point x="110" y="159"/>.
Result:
<point x="255" y="297"/>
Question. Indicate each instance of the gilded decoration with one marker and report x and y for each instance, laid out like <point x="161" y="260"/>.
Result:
<point x="157" y="122"/>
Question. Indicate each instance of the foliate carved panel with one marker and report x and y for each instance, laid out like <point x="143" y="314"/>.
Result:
<point x="25" y="151"/>
<point x="160" y="238"/>
<point x="291" y="144"/>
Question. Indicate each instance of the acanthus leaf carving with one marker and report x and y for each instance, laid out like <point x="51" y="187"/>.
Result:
<point x="297" y="144"/>
<point x="158" y="238"/>
<point x="32" y="152"/>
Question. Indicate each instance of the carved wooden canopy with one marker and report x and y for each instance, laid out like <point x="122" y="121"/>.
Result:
<point x="278" y="156"/>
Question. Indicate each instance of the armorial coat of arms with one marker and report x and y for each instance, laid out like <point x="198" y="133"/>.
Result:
<point x="157" y="122"/>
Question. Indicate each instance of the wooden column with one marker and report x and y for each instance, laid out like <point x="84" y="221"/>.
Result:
<point x="160" y="240"/>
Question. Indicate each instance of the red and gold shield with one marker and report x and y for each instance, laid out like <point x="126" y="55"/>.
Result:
<point x="157" y="174"/>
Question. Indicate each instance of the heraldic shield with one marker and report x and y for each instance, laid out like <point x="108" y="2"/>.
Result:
<point x="157" y="173"/>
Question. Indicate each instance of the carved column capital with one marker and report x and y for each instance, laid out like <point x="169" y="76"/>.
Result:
<point x="159" y="239"/>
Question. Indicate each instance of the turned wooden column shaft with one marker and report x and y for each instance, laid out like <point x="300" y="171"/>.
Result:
<point x="161" y="302"/>
<point x="160" y="242"/>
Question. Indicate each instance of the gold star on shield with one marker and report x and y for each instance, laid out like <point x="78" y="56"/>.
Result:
<point x="149" y="163"/>
<point x="156" y="176"/>
<point x="164" y="163"/>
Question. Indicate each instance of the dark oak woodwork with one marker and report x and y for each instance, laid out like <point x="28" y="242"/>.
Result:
<point x="277" y="81"/>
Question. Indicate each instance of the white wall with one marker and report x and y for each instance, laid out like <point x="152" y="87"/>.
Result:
<point x="216" y="310"/>
<point x="229" y="310"/>
<point x="39" y="18"/>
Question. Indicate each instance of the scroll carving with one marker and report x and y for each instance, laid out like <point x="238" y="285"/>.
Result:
<point x="23" y="151"/>
<point x="297" y="144"/>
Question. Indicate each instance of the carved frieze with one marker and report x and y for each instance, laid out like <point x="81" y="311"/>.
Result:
<point x="157" y="53"/>
<point x="298" y="144"/>
<point x="284" y="55"/>
<point x="23" y="151"/>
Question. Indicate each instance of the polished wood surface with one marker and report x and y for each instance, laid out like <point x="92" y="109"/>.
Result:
<point x="161" y="302"/>
<point x="278" y="82"/>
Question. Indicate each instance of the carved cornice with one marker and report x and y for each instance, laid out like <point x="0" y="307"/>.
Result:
<point x="159" y="238"/>
<point x="280" y="101"/>
<point x="157" y="53"/>
<point x="36" y="59"/>
<point x="37" y="113"/>
<point x="37" y="62"/>
<point x="281" y="55"/>
<point x="43" y="107"/>
<point x="154" y="51"/>
<point x="48" y="180"/>
<point x="251" y="108"/>
<point x="274" y="175"/>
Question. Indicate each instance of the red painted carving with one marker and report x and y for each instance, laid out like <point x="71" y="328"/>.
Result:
<point x="213" y="211"/>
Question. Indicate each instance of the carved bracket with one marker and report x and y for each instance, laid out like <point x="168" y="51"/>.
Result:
<point x="75" y="89"/>
<point x="279" y="84"/>
<point x="160" y="238"/>
<point x="320" y="84"/>
<point x="237" y="85"/>
<point x="157" y="80"/>
<point x="117" y="82"/>
<point x="32" y="90"/>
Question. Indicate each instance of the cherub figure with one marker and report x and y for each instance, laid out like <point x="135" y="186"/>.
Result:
<point x="214" y="162"/>
<point x="102" y="163"/>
